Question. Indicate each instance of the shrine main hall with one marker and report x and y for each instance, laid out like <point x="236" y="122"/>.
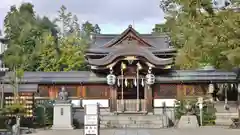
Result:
<point x="129" y="73"/>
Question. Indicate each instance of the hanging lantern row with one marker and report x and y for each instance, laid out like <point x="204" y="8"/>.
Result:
<point x="150" y="79"/>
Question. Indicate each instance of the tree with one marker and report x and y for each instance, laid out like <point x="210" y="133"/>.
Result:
<point x="75" y="26"/>
<point x="160" y="28"/>
<point x="35" y="40"/>
<point x="72" y="55"/>
<point x="46" y="24"/>
<point x="202" y="35"/>
<point x="97" y="29"/>
<point x="87" y="29"/>
<point x="64" y="19"/>
<point x="24" y="30"/>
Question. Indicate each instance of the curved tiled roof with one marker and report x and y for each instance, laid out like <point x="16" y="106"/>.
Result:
<point x="130" y="43"/>
<point x="130" y="50"/>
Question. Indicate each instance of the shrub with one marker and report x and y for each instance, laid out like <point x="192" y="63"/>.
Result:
<point x="44" y="114"/>
<point x="208" y="110"/>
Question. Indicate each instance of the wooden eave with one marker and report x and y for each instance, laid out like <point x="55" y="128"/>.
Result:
<point x="87" y="77"/>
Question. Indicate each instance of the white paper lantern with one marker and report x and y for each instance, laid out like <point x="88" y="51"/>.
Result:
<point x="210" y="88"/>
<point x="150" y="79"/>
<point x="111" y="79"/>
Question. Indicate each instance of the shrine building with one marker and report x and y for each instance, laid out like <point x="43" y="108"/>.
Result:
<point x="130" y="73"/>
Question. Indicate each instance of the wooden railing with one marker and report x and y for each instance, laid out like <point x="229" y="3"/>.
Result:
<point x="131" y="105"/>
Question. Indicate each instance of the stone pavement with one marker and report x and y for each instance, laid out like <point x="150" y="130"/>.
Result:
<point x="169" y="131"/>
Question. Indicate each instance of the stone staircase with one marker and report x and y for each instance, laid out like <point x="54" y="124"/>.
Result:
<point x="223" y="117"/>
<point x="133" y="121"/>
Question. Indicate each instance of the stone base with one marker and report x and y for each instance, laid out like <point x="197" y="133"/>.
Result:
<point x="188" y="121"/>
<point x="62" y="116"/>
<point x="58" y="127"/>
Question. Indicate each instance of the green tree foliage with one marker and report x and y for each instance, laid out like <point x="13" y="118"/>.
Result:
<point x="39" y="44"/>
<point x="24" y="32"/>
<point x="88" y="28"/>
<point x="160" y="28"/>
<point x="64" y="19"/>
<point x="69" y="55"/>
<point x="76" y="27"/>
<point x="71" y="58"/>
<point x="202" y="34"/>
<point x="97" y="29"/>
<point x="208" y="110"/>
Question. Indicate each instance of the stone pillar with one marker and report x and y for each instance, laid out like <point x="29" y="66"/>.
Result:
<point x="62" y="115"/>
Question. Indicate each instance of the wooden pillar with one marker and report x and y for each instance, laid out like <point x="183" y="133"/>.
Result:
<point x="145" y="99"/>
<point x="51" y="92"/>
<point x="79" y="91"/>
<point x="149" y="98"/>
<point x="113" y="98"/>
<point x="83" y="91"/>
<point x="180" y="91"/>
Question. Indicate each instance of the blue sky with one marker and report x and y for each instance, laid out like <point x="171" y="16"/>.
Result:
<point x="113" y="16"/>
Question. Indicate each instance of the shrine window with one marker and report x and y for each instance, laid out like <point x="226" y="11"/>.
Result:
<point x="164" y="91"/>
<point x="97" y="91"/>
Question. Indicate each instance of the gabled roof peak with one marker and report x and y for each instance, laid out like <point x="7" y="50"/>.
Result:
<point x="129" y="33"/>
